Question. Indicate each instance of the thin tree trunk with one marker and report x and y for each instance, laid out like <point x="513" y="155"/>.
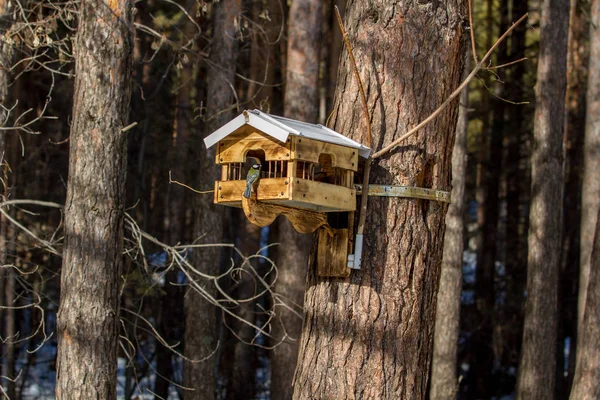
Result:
<point x="444" y="383"/>
<point x="201" y="322"/>
<point x="590" y="198"/>
<point x="586" y="384"/>
<point x="537" y="366"/>
<point x="6" y="53"/>
<point x="577" y="71"/>
<point x="172" y="303"/>
<point x="301" y="103"/>
<point x="516" y="188"/>
<point x="89" y="308"/>
<point x="487" y="221"/>
<point x="370" y="336"/>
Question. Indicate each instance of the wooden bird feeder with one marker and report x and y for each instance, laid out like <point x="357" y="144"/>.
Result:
<point x="307" y="174"/>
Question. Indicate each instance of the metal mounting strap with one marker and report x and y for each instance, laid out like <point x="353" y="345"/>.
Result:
<point x="411" y="192"/>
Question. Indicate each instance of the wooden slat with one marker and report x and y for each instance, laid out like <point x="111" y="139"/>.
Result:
<point x="332" y="253"/>
<point x="227" y="192"/>
<point x="323" y="194"/>
<point x="310" y="150"/>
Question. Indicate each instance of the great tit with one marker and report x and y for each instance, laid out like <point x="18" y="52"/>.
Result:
<point x="252" y="179"/>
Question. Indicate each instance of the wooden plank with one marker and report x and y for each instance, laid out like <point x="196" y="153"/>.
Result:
<point x="332" y="253"/>
<point x="235" y="146"/>
<point x="323" y="194"/>
<point x="268" y="189"/>
<point x="310" y="150"/>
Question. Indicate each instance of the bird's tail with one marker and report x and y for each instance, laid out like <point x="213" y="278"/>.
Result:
<point x="248" y="191"/>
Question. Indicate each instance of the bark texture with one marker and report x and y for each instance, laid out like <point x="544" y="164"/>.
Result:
<point x="586" y="384"/>
<point x="201" y="322"/>
<point x="536" y="371"/>
<point x="370" y="336"/>
<point x="590" y="198"/>
<point x="577" y="71"/>
<point x="89" y="307"/>
<point x="444" y="383"/>
<point x="301" y="102"/>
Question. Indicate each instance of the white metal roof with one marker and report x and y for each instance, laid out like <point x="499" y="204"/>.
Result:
<point x="280" y="128"/>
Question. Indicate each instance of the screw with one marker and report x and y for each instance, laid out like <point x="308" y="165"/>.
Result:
<point x="298" y="181"/>
<point x="282" y="193"/>
<point x="286" y="182"/>
<point x="303" y="194"/>
<point x="221" y="159"/>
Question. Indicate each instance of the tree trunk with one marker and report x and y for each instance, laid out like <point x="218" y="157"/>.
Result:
<point x="301" y="103"/>
<point x="586" y="384"/>
<point x="172" y="302"/>
<point x="201" y="322"/>
<point x="89" y="308"/>
<point x="536" y="370"/>
<point x="6" y="275"/>
<point x="577" y="71"/>
<point x="590" y="198"/>
<point x="444" y="383"/>
<point x="517" y="187"/>
<point x="371" y="335"/>
<point x="487" y="221"/>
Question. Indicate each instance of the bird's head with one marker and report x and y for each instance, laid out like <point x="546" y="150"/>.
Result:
<point x="256" y="166"/>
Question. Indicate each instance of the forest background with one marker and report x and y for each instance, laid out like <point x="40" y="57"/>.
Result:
<point x="210" y="306"/>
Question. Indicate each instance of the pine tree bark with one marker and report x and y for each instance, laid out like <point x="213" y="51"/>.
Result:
<point x="536" y="370"/>
<point x="201" y="317"/>
<point x="301" y="102"/>
<point x="89" y="308"/>
<point x="444" y="383"/>
<point x="586" y="384"/>
<point x="370" y="336"/>
<point x="590" y="197"/>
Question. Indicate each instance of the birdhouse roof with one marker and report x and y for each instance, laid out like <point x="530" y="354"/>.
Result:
<point x="280" y="128"/>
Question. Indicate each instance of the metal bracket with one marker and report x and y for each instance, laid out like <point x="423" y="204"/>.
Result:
<point x="411" y="192"/>
<point x="355" y="259"/>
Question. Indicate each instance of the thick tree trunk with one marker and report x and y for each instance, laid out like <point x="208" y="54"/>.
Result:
<point x="590" y="200"/>
<point x="586" y="384"/>
<point x="89" y="308"/>
<point x="536" y="370"/>
<point x="370" y="336"/>
<point x="301" y="103"/>
<point x="201" y="322"/>
<point x="444" y="383"/>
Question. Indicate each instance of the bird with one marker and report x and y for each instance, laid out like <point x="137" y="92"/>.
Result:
<point x="252" y="179"/>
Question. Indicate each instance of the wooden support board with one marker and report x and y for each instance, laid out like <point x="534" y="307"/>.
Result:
<point x="309" y="150"/>
<point x="332" y="253"/>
